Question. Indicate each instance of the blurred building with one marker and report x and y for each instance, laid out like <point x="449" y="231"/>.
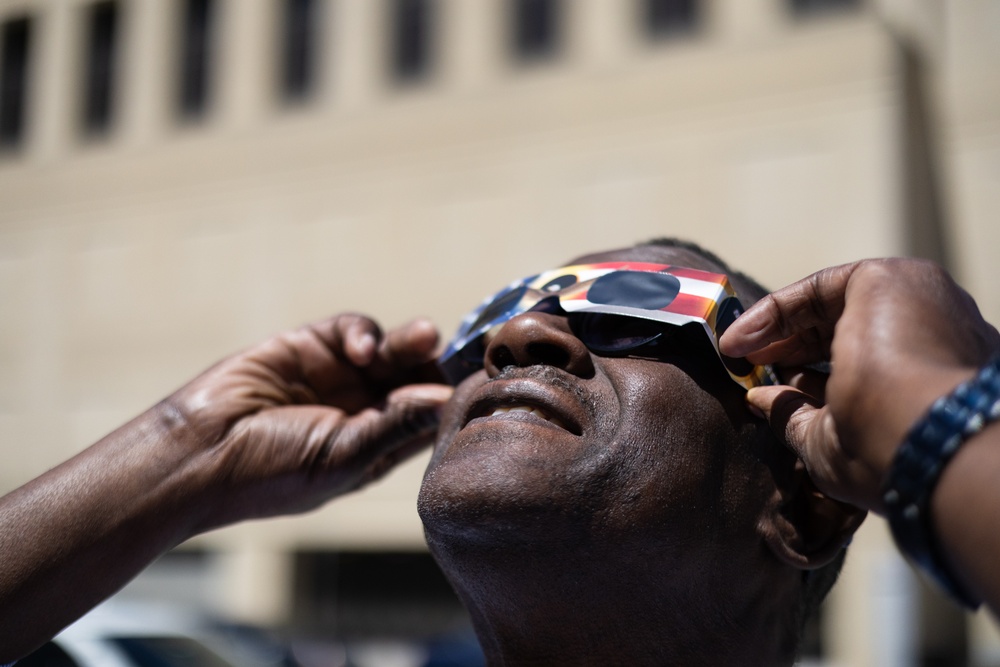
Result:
<point x="179" y="178"/>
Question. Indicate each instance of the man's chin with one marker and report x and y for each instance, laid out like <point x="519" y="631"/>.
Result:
<point x="477" y="501"/>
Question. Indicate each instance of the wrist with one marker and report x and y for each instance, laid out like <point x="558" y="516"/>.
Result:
<point x="160" y="458"/>
<point x="896" y="406"/>
<point x="920" y="461"/>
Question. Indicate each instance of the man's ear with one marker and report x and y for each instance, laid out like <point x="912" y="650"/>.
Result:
<point x="803" y="527"/>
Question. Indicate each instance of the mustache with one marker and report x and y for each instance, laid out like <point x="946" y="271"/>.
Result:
<point x="552" y="376"/>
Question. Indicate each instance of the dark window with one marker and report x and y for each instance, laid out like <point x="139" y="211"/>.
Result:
<point x="809" y="7"/>
<point x="101" y="62"/>
<point x="535" y="28"/>
<point x="196" y="57"/>
<point x="298" y="66"/>
<point x="411" y="36"/>
<point x="664" y="18"/>
<point x="14" y="52"/>
<point x="359" y="595"/>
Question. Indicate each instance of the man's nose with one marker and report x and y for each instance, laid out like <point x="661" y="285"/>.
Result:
<point x="536" y="338"/>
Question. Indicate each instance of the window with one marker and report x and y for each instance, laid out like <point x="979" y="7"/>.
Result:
<point x="101" y="63"/>
<point x="535" y="28"/>
<point x="665" y="18"/>
<point x="15" y="49"/>
<point x="298" y="44"/>
<point x="810" y="7"/>
<point x="196" y="58"/>
<point x="411" y="35"/>
<point x="356" y="595"/>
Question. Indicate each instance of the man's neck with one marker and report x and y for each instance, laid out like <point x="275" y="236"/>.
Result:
<point x="527" y="612"/>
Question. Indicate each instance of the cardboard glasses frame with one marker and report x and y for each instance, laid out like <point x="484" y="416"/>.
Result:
<point x="673" y="296"/>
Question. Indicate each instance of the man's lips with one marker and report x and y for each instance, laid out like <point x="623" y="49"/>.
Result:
<point x="527" y="398"/>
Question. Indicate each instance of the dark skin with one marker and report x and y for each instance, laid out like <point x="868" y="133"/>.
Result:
<point x="900" y="333"/>
<point x="651" y="524"/>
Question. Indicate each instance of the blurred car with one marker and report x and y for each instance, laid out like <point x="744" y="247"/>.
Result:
<point x="118" y="634"/>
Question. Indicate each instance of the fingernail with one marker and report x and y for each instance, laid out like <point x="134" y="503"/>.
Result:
<point x="424" y="333"/>
<point x="438" y="394"/>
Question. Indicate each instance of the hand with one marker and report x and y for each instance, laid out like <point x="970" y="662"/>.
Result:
<point x="899" y="333"/>
<point x="305" y="416"/>
<point x="282" y="427"/>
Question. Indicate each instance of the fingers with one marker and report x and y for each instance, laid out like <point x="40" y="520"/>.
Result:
<point x="409" y="412"/>
<point x="349" y="335"/>
<point x="407" y="355"/>
<point x="794" y="415"/>
<point x="806" y="347"/>
<point x="317" y="354"/>
<point x="411" y="344"/>
<point x="807" y="380"/>
<point x="363" y="342"/>
<point x="808" y="429"/>
<point x="815" y="302"/>
<point x="383" y="438"/>
<point x="360" y="337"/>
<point x="346" y="360"/>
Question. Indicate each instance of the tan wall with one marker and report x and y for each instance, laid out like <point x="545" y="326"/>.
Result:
<point x="128" y="265"/>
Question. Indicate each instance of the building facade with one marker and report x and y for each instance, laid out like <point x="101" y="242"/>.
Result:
<point x="180" y="178"/>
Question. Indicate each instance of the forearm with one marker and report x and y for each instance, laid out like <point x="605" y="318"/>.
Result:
<point x="964" y="504"/>
<point x="78" y="533"/>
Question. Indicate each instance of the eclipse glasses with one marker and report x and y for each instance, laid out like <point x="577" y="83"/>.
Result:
<point x="627" y="309"/>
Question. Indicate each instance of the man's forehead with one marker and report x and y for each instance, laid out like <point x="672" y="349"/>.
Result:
<point x="654" y="254"/>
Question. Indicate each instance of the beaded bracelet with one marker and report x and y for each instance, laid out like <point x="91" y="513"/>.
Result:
<point x="918" y="464"/>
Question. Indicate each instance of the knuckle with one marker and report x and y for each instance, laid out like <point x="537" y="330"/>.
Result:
<point x="779" y="315"/>
<point x="799" y="422"/>
<point x="333" y="438"/>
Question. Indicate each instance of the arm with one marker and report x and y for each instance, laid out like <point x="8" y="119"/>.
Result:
<point x="900" y="334"/>
<point x="280" y="428"/>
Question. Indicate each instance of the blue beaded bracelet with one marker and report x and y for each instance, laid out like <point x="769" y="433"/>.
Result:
<point x="918" y="464"/>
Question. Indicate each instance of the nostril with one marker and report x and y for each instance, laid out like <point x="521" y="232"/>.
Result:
<point x="537" y="339"/>
<point x="503" y="357"/>
<point x="549" y="354"/>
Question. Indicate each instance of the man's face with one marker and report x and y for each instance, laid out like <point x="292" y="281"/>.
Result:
<point x="553" y="443"/>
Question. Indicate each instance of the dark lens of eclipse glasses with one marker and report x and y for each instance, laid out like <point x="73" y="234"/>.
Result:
<point x="614" y="334"/>
<point x="601" y="333"/>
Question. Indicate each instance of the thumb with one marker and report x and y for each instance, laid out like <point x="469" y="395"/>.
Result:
<point x="406" y="424"/>
<point x="808" y="428"/>
<point x="797" y="418"/>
